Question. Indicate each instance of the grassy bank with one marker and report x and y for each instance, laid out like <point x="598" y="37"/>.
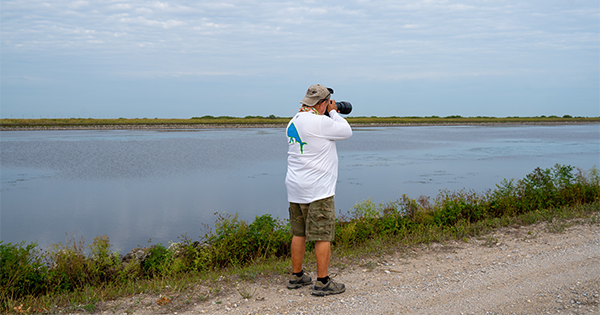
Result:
<point x="277" y="121"/>
<point x="62" y="276"/>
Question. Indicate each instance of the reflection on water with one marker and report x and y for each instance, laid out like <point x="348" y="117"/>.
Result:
<point x="135" y="185"/>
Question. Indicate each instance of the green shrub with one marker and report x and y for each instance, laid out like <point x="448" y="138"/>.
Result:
<point x="366" y="209"/>
<point x="270" y="238"/>
<point x="68" y="265"/>
<point x="230" y="244"/>
<point x="22" y="271"/>
<point x="104" y="264"/>
<point x="461" y="212"/>
<point x="157" y="262"/>
<point x="235" y="242"/>
<point x="129" y="271"/>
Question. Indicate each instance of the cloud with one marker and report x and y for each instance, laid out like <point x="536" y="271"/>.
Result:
<point x="120" y="6"/>
<point x="375" y="41"/>
<point x="127" y="21"/>
<point x="77" y="4"/>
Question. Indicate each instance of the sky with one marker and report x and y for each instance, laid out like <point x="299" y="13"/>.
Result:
<point x="181" y="59"/>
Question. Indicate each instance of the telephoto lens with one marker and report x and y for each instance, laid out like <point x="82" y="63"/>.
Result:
<point x="344" y="107"/>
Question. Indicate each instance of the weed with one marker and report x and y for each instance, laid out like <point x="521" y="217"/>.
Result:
<point x="490" y="241"/>
<point x="248" y="275"/>
<point x="216" y="289"/>
<point x="557" y="226"/>
<point x="370" y="265"/>
<point x="245" y="292"/>
<point x="89" y="307"/>
<point x="530" y="235"/>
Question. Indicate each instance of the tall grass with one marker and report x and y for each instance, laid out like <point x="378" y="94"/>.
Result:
<point x="40" y="278"/>
<point x="277" y="121"/>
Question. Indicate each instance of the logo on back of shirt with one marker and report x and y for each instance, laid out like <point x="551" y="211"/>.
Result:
<point x="292" y="132"/>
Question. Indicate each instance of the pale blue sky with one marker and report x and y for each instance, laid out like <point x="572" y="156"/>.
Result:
<point x="178" y="59"/>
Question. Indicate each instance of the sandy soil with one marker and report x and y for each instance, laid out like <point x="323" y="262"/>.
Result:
<point x="525" y="270"/>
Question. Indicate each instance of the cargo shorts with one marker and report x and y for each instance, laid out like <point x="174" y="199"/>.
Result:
<point x="315" y="220"/>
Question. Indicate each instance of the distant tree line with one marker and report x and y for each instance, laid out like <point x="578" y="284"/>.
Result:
<point x="413" y="117"/>
<point x="231" y="117"/>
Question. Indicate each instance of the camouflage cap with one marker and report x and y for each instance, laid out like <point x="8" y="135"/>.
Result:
<point x="314" y="94"/>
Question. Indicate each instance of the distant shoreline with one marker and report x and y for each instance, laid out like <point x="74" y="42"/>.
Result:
<point x="234" y="126"/>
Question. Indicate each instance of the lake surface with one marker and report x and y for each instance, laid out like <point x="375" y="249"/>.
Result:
<point x="137" y="185"/>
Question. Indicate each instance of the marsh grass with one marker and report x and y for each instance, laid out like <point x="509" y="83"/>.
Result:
<point x="204" y="120"/>
<point x="276" y="121"/>
<point x="235" y="251"/>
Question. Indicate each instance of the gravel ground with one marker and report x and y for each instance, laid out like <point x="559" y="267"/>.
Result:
<point x="523" y="270"/>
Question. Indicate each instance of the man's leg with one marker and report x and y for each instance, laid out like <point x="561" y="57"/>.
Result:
<point x="297" y="279"/>
<point x="298" y="249"/>
<point x="325" y="285"/>
<point x="323" y="255"/>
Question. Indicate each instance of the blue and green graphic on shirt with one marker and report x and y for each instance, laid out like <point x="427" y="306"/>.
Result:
<point x="292" y="132"/>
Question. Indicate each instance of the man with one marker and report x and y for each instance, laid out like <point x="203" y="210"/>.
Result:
<point x="310" y="181"/>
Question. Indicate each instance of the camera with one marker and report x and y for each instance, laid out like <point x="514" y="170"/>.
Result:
<point x="343" y="107"/>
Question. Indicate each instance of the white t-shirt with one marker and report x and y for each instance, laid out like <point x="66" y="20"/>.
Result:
<point x="312" y="156"/>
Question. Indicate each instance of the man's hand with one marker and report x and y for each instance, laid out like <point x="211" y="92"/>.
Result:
<point x="332" y="106"/>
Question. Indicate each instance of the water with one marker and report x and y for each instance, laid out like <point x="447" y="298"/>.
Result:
<point x="137" y="185"/>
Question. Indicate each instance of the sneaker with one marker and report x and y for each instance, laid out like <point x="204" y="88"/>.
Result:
<point x="329" y="288"/>
<point x="296" y="282"/>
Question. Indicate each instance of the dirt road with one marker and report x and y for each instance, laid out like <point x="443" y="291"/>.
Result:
<point x="525" y="270"/>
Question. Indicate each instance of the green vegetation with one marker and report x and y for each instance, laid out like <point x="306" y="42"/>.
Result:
<point x="63" y="277"/>
<point x="194" y="121"/>
<point x="457" y="119"/>
<point x="277" y="121"/>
